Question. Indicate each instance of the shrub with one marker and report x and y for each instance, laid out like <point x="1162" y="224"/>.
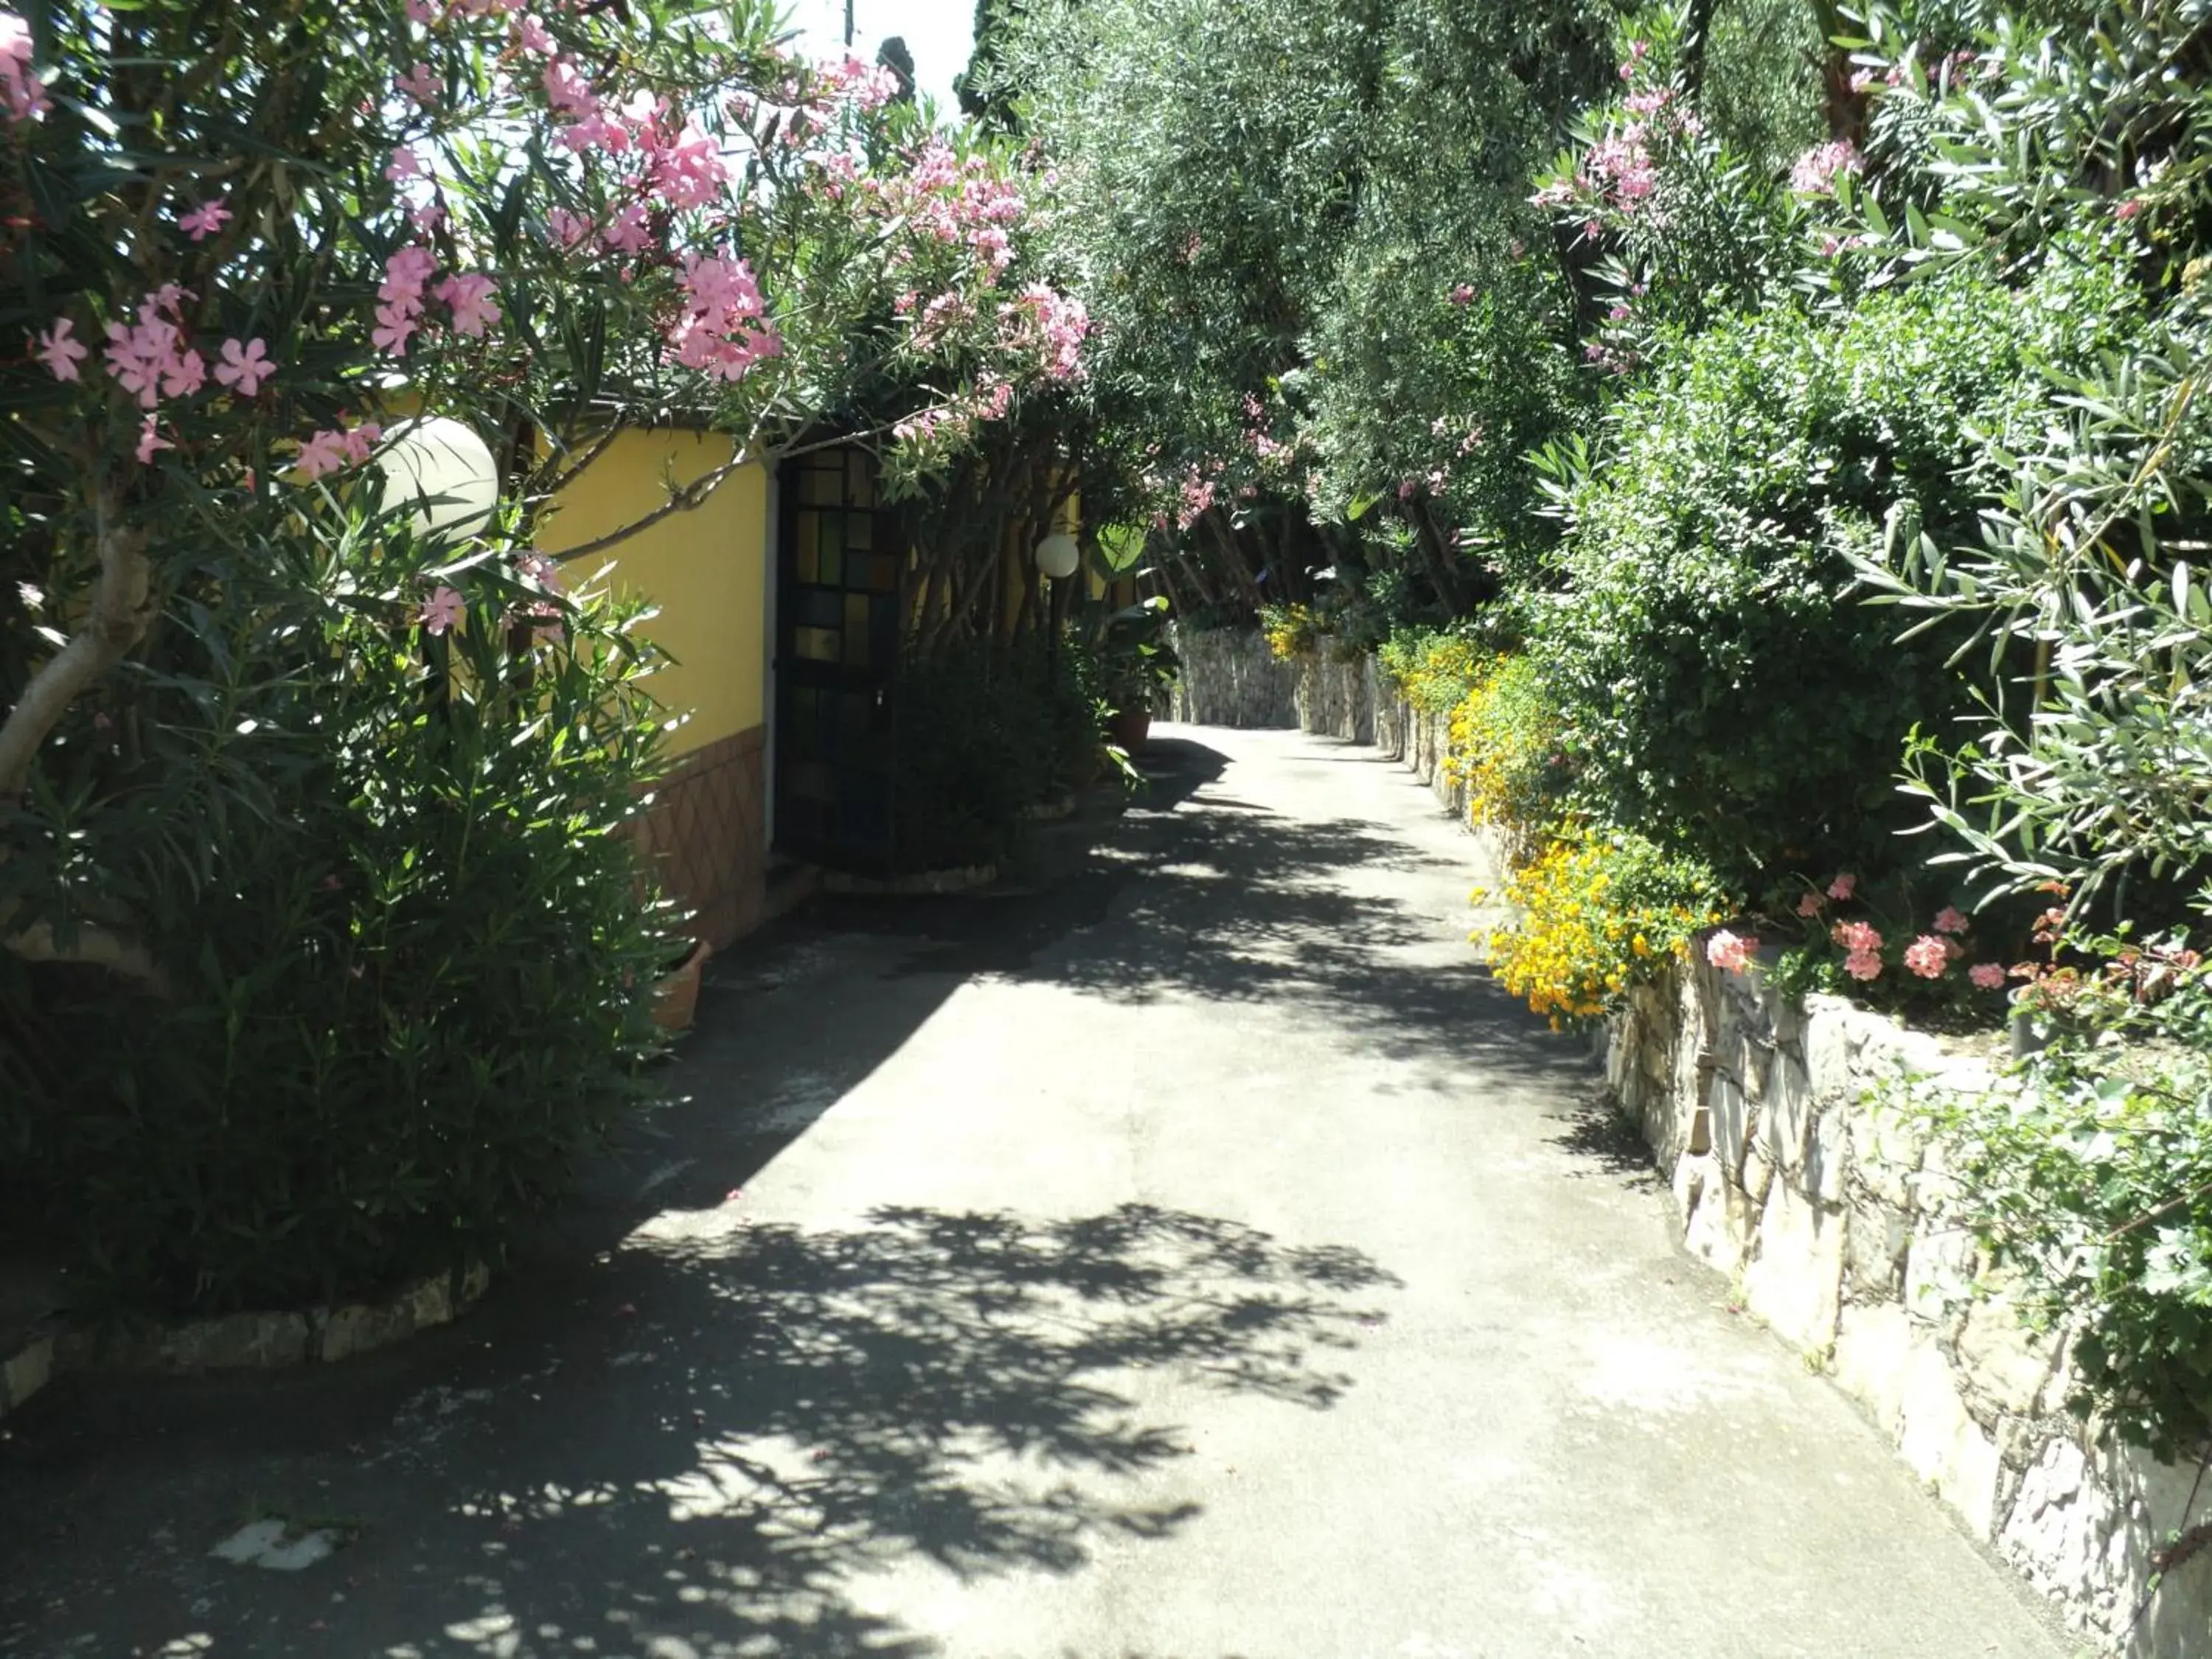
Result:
<point x="1506" y="748"/>
<point x="988" y="726"/>
<point x="1291" y="630"/>
<point x="1720" y="685"/>
<point x="1595" y="914"/>
<point x="1889" y="944"/>
<point x="2089" y="1176"/>
<point x="409" y="970"/>
<point x="1432" y="671"/>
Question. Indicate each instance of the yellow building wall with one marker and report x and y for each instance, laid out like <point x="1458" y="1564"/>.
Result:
<point x="706" y="569"/>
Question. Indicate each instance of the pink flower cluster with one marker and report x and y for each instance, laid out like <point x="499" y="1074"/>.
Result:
<point x="337" y="447"/>
<point x="718" y="331"/>
<point x="1056" y="324"/>
<point x="1731" y="952"/>
<point x="401" y="300"/>
<point x="1862" y="945"/>
<point x="860" y="84"/>
<point x="21" y="89"/>
<point x="1817" y="170"/>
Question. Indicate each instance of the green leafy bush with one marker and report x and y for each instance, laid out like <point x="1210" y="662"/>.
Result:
<point x="1721" y="684"/>
<point x="409" y="951"/>
<point x="2089" y="1176"/>
<point x="987" y="727"/>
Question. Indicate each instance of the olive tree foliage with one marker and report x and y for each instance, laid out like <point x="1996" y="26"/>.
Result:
<point x="2087" y="589"/>
<point x="1303" y="230"/>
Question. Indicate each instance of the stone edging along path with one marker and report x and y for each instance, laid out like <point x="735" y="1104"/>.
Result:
<point x="1836" y="1224"/>
<point x="239" y="1341"/>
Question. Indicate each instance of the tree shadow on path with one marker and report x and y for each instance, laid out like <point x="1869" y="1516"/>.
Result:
<point x="721" y="1432"/>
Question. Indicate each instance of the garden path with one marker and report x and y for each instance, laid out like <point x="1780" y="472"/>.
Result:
<point x="1185" y="1252"/>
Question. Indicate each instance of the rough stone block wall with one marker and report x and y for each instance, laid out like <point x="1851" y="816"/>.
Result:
<point x="1230" y="679"/>
<point x="1840" y="1228"/>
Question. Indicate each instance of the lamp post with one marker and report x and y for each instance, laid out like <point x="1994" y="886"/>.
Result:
<point x="1057" y="556"/>
<point x="447" y="470"/>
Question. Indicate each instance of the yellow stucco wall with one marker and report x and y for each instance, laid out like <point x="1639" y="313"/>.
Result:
<point x="706" y="569"/>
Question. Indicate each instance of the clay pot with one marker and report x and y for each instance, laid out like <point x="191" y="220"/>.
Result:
<point x="676" y="994"/>
<point x="1129" y="728"/>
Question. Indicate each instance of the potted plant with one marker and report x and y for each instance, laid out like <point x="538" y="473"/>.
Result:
<point x="1140" y="668"/>
<point x="675" y="993"/>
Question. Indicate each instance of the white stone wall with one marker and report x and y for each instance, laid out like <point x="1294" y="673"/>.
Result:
<point x="1840" y="1227"/>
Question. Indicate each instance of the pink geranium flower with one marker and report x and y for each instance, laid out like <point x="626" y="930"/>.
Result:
<point x="1730" y="952"/>
<point x="1927" y="956"/>
<point x="1842" y="886"/>
<point x="1857" y="936"/>
<point x="1986" y="975"/>
<point x="1863" y="964"/>
<point x="1950" y="920"/>
<point x="1808" y="904"/>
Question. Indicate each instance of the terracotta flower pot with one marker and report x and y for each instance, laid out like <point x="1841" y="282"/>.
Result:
<point x="1129" y="728"/>
<point x="676" y="994"/>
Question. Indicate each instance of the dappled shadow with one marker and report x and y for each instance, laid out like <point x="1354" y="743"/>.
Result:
<point x="1222" y="897"/>
<point x="718" y="1431"/>
<point x="1606" y="1142"/>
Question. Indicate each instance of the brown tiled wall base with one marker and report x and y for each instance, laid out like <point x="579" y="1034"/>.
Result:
<point x="707" y="830"/>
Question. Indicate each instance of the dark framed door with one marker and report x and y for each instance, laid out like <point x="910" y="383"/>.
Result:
<point x="839" y="596"/>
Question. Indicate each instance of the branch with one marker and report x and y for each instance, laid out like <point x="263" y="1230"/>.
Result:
<point x="680" y="500"/>
<point x="121" y="609"/>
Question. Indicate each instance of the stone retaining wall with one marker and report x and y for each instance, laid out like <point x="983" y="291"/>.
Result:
<point x="1230" y="679"/>
<point x="1831" y="1217"/>
<point x="1835" y="1219"/>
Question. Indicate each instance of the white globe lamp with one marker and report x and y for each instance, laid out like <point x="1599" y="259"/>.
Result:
<point x="447" y="470"/>
<point x="1057" y="555"/>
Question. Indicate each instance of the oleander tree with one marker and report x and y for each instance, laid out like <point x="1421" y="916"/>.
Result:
<point x="240" y="245"/>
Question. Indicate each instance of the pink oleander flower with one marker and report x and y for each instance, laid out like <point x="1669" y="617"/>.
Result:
<point x="1819" y="167"/>
<point x="426" y="216"/>
<point x="1863" y="964"/>
<point x="244" y="366"/>
<point x="1857" y="936"/>
<point x="203" y="221"/>
<point x="151" y="439"/>
<point x="443" y="609"/>
<point x="533" y="566"/>
<point x="1986" y="975"/>
<point x="323" y="452"/>
<point x="1927" y="956"/>
<point x="471" y="299"/>
<point x="58" y="352"/>
<point x="1843" y="886"/>
<point x="359" y="441"/>
<point x="21" y="89"/>
<point x="1463" y="294"/>
<point x="530" y="35"/>
<point x="404" y="164"/>
<point x="2129" y="209"/>
<point x="422" y="84"/>
<point x="423" y="12"/>
<point x="1728" y="951"/>
<point x="1950" y="919"/>
<point x="1809" y="904"/>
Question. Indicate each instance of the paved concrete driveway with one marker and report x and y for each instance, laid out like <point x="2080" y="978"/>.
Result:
<point x="1193" y="1258"/>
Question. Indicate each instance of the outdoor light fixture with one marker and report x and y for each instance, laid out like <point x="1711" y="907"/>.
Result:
<point x="447" y="470"/>
<point x="1057" y="555"/>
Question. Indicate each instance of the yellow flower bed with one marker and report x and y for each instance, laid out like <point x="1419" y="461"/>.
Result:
<point x="1595" y="915"/>
<point x="1504" y="748"/>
